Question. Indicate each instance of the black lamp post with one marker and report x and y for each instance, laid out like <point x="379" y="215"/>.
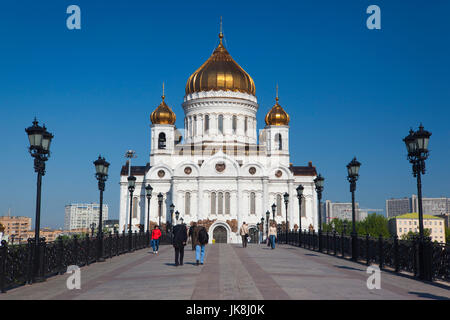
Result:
<point x="93" y="225"/>
<point x="318" y="181"/>
<point x="39" y="149"/>
<point x="101" y="173"/>
<point x="160" y="201"/>
<point x="267" y="223"/>
<point x="170" y="223"/>
<point x="148" y="194"/>
<point x="177" y="215"/>
<point x="181" y="220"/>
<point x="286" y="202"/>
<point x="417" y="147"/>
<point x="131" y="184"/>
<point x="262" y="229"/>
<point x="353" y="170"/>
<point x="274" y="206"/>
<point x="299" y="196"/>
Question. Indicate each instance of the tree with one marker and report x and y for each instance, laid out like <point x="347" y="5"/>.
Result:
<point x="410" y="235"/>
<point x="447" y="235"/>
<point x="374" y="225"/>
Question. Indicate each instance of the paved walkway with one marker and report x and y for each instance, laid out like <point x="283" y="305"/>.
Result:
<point x="230" y="272"/>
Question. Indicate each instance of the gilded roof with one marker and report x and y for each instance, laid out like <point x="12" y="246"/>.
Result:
<point x="220" y="72"/>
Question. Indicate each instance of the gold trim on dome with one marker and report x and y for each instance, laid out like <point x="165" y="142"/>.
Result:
<point x="220" y="72"/>
<point x="277" y="116"/>
<point x="163" y="114"/>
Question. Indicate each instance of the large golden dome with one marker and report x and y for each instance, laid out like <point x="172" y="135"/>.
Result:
<point x="220" y="72"/>
<point x="277" y="116"/>
<point x="163" y="114"/>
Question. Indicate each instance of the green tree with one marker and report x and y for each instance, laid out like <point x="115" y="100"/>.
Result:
<point x="373" y="225"/>
<point x="410" y="235"/>
<point x="447" y="235"/>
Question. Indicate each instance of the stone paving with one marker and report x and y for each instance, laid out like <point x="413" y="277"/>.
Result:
<point x="230" y="272"/>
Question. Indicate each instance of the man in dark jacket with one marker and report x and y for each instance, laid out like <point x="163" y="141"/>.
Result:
<point x="200" y="238"/>
<point x="179" y="241"/>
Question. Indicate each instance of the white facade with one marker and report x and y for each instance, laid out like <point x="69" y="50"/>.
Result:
<point x="81" y="215"/>
<point x="220" y="173"/>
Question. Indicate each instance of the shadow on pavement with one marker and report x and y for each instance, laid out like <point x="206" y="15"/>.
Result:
<point x="347" y="268"/>
<point x="428" y="295"/>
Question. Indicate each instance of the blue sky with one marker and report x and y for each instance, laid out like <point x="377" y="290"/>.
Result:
<point x="349" y="91"/>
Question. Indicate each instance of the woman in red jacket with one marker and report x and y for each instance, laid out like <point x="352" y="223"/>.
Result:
<point x="156" y="234"/>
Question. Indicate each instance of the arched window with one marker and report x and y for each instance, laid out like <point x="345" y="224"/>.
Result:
<point x="162" y="140"/>
<point x="278" y="141"/>
<point x="252" y="203"/>
<point x="278" y="204"/>
<point x="135" y="207"/>
<point x="187" y="203"/>
<point x="234" y="124"/>
<point x="227" y="203"/>
<point x="213" y="203"/>
<point x="206" y="123"/>
<point x="220" y="124"/>
<point x="220" y="203"/>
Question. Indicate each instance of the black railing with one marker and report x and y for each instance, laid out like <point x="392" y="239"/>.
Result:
<point x="17" y="265"/>
<point x="393" y="254"/>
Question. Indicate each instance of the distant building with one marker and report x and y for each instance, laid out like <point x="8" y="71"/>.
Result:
<point x="431" y="206"/>
<point x="16" y="227"/>
<point x="409" y="222"/>
<point x="81" y="215"/>
<point x="343" y="211"/>
<point x="396" y="207"/>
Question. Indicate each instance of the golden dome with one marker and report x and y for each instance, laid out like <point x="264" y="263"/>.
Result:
<point x="277" y="116"/>
<point x="220" y="72"/>
<point x="163" y="114"/>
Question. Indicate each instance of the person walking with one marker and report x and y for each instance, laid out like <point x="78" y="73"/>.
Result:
<point x="200" y="238"/>
<point x="272" y="235"/>
<point x="244" y="234"/>
<point x="191" y="234"/>
<point x="156" y="234"/>
<point x="179" y="241"/>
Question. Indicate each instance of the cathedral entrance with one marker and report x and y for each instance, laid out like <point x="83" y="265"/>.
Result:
<point x="220" y="234"/>
<point x="254" y="235"/>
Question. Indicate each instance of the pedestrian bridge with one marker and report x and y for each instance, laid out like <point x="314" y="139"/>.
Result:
<point x="230" y="272"/>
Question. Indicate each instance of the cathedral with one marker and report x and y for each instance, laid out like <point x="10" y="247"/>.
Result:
<point x="218" y="171"/>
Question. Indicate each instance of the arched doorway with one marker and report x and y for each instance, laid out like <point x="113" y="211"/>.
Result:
<point x="220" y="234"/>
<point x="254" y="235"/>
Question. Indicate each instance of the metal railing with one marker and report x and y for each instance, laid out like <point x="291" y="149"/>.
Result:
<point x="18" y="265"/>
<point x="388" y="253"/>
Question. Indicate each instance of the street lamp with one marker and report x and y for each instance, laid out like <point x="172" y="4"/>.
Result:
<point x="267" y="223"/>
<point x="274" y="206"/>
<point x="353" y="170"/>
<point x="101" y="173"/>
<point x="39" y="149"/>
<point x="262" y="230"/>
<point x="160" y="201"/>
<point x="177" y="215"/>
<point x="148" y="194"/>
<point x="131" y="184"/>
<point x="181" y="220"/>
<point x="93" y="225"/>
<point x="417" y="147"/>
<point x="318" y="181"/>
<point x="286" y="201"/>
<point x="299" y="196"/>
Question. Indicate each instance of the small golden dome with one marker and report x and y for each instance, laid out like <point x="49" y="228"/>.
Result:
<point x="163" y="114"/>
<point x="220" y="72"/>
<point x="277" y="116"/>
